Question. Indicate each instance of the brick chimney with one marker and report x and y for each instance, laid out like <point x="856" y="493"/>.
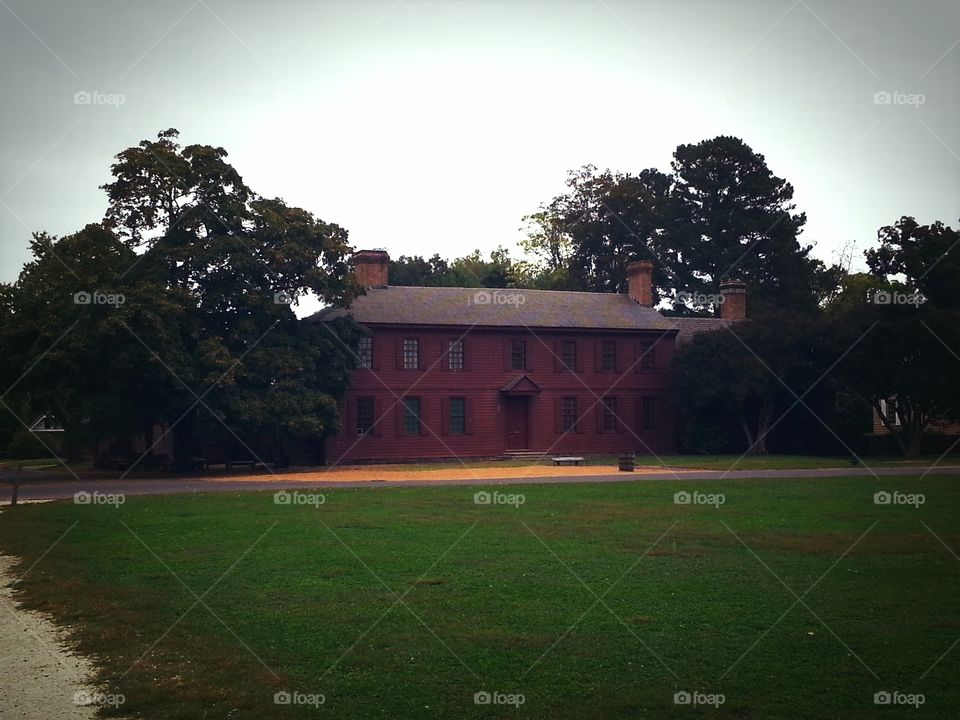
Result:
<point x="640" y="282"/>
<point x="370" y="268"/>
<point x="734" y="305"/>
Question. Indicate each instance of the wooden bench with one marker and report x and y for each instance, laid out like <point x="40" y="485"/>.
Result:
<point x="568" y="460"/>
<point x="250" y="462"/>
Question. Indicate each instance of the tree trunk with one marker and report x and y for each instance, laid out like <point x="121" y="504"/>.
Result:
<point x="891" y="428"/>
<point x="916" y="422"/>
<point x="183" y="449"/>
<point x="763" y="427"/>
<point x="746" y="431"/>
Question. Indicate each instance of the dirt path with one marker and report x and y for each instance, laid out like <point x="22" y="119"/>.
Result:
<point x="373" y="473"/>
<point x="40" y="675"/>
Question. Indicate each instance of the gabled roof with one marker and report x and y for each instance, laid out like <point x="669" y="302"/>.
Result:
<point x="481" y="307"/>
<point x="521" y="385"/>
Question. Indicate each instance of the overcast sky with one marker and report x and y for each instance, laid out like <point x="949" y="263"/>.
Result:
<point x="426" y="127"/>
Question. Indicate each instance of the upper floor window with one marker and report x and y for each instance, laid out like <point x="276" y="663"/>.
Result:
<point x="455" y="355"/>
<point x="518" y="354"/>
<point x="365" y="352"/>
<point x="365" y="418"/>
<point x="608" y="356"/>
<point x="411" y="416"/>
<point x="609" y="423"/>
<point x="411" y="354"/>
<point x="568" y="355"/>
<point x="647" y="355"/>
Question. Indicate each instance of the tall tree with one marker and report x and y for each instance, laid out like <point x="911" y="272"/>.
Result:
<point x="750" y="374"/>
<point x="907" y="318"/>
<point x="927" y="256"/>
<point x="734" y="219"/>
<point x="207" y="336"/>
<point x="419" y="271"/>
<point x="900" y="361"/>
<point x="611" y="219"/>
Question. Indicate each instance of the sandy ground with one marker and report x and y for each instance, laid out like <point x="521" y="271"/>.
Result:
<point x="362" y="473"/>
<point x="39" y="674"/>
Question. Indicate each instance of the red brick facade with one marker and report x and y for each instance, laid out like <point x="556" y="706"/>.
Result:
<point x="510" y="397"/>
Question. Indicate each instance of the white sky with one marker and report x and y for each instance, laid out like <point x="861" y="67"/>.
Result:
<point x="435" y="127"/>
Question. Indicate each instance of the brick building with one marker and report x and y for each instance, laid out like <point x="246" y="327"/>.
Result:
<point x="466" y="372"/>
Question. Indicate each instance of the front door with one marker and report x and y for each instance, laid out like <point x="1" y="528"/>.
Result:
<point x="518" y="413"/>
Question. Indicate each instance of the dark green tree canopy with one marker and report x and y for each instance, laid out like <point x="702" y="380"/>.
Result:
<point x="721" y="214"/>
<point x="927" y="256"/>
<point x="206" y="336"/>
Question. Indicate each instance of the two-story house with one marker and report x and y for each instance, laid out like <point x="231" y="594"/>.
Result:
<point x="466" y="372"/>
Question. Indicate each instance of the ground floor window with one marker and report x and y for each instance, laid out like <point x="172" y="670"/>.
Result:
<point x="609" y="423"/>
<point x="458" y="416"/>
<point x="364" y="415"/>
<point x="648" y="413"/>
<point x="569" y="410"/>
<point x="411" y="416"/>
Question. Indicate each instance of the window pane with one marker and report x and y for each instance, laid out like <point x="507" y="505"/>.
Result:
<point x="365" y="352"/>
<point x="609" y="414"/>
<point x="569" y="414"/>
<point x="568" y="355"/>
<point x="364" y="415"/>
<point x="458" y="416"/>
<point x="411" y="416"/>
<point x="647" y="354"/>
<point x="648" y="413"/>
<point x="518" y="354"/>
<point x="411" y="354"/>
<point x="609" y="355"/>
<point x="455" y="355"/>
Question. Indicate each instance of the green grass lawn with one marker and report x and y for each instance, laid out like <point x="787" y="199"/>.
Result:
<point x="501" y="598"/>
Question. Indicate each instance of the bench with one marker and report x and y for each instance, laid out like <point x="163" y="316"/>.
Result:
<point x="568" y="460"/>
<point x="250" y="462"/>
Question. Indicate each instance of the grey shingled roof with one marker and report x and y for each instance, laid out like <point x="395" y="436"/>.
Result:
<point x="690" y="326"/>
<point x="521" y="308"/>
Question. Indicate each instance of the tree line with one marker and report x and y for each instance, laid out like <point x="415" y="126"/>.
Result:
<point x="824" y="347"/>
<point x="175" y="308"/>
